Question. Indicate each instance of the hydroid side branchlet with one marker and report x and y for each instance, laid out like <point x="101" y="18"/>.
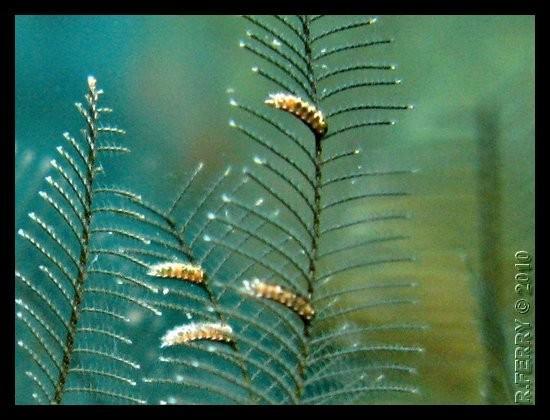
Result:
<point x="298" y="304"/>
<point x="182" y="334"/>
<point x="177" y="270"/>
<point x="305" y="111"/>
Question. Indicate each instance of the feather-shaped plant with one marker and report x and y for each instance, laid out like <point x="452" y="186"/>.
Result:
<point x="286" y="285"/>
<point x="285" y="313"/>
<point x="75" y="307"/>
<point x="355" y="348"/>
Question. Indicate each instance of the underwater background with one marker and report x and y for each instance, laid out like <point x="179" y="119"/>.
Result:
<point x="471" y="137"/>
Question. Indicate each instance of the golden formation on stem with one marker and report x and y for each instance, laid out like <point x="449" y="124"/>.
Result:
<point x="213" y="331"/>
<point x="178" y="270"/>
<point x="298" y="304"/>
<point x="305" y="111"/>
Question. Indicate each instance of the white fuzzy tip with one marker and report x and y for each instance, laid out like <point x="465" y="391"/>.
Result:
<point x="92" y="82"/>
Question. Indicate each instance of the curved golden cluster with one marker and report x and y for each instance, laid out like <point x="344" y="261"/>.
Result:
<point x="214" y="331"/>
<point x="305" y="111"/>
<point x="297" y="303"/>
<point x="177" y="270"/>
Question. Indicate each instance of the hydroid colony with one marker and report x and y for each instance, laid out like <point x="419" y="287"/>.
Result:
<point x="258" y="310"/>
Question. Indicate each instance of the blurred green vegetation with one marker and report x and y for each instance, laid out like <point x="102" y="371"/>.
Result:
<point x="471" y="79"/>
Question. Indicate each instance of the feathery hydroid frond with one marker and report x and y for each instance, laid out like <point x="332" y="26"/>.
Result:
<point x="305" y="57"/>
<point x="74" y="340"/>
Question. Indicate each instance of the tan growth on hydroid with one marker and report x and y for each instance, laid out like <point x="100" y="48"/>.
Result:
<point x="213" y="331"/>
<point x="177" y="270"/>
<point x="297" y="303"/>
<point x="305" y="111"/>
